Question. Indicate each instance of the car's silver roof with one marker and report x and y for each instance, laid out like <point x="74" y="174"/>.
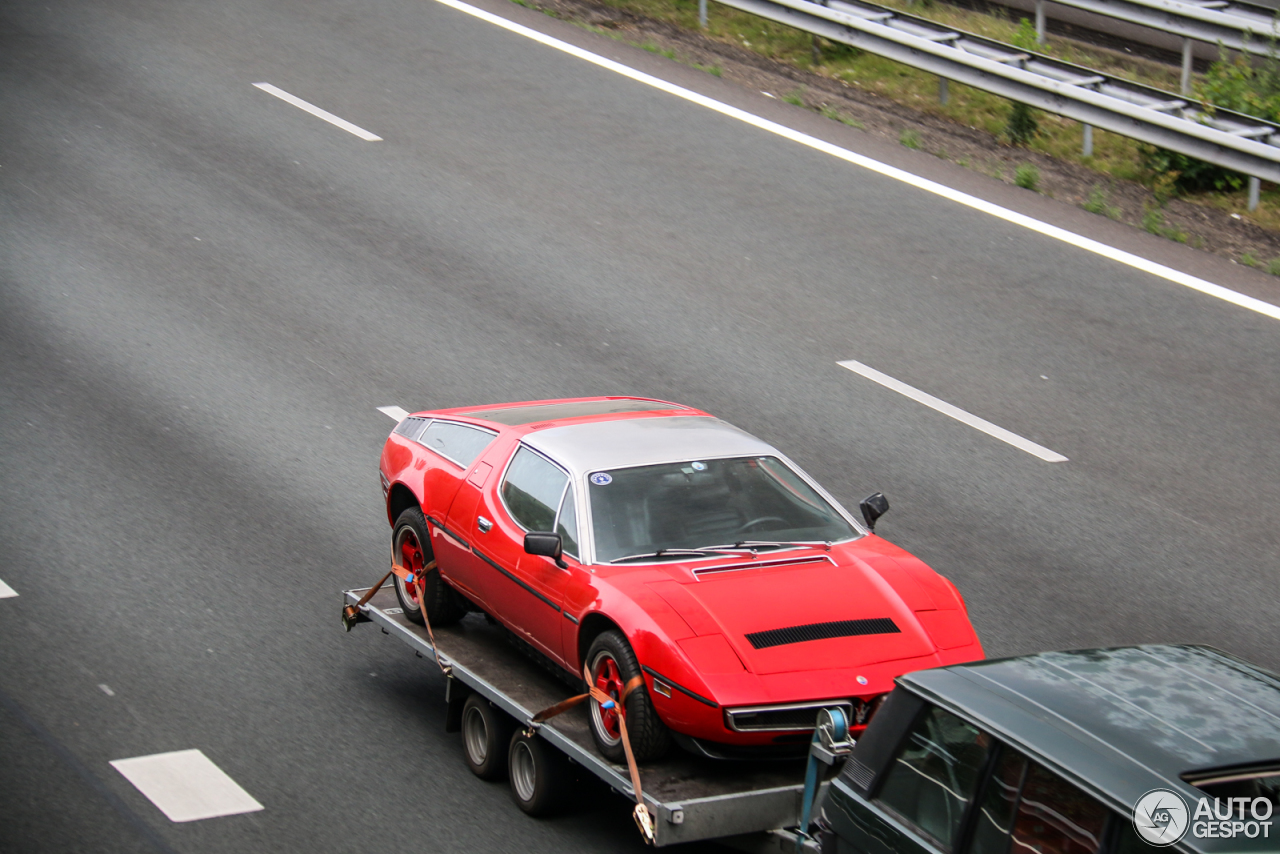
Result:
<point x="626" y="442"/>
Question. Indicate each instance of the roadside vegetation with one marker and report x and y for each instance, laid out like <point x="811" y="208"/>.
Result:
<point x="1233" y="83"/>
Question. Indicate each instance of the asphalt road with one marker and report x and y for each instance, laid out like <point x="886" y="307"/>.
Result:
<point x="205" y="292"/>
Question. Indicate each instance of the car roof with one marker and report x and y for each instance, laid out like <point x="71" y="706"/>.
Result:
<point x="541" y="411"/>
<point x="1122" y="721"/>
<point x="624" y="442"/>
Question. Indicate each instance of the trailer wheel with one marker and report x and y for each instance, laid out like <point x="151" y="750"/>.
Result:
<point x="411" y="548"/>
<point x="486" y="732"/>
<point x="613" y="664"/>
<point x="538" y="775"/>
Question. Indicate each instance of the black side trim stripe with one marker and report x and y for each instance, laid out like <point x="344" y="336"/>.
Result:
<point x="434" y="521"/>
<point x="571" y="618"/>
<point x="822" y="631"/>
<point x="680" y="688"/>
<point x="491" y="563"/>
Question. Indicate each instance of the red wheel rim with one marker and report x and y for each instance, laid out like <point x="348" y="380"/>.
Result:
<point x="410" y="554"/>
<point x="609" y="680"/>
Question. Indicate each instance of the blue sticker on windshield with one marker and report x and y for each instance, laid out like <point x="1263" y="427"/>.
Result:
<point x="601" y="478"/>
<point x="699" y="466"/>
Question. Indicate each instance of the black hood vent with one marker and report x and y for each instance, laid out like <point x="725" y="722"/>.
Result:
<point x="822" y="631"/>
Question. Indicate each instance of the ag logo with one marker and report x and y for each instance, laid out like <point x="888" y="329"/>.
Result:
<point x="1160" y="817"/>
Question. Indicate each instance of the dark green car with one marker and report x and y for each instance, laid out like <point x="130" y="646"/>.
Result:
<point x="1086" y="752"/>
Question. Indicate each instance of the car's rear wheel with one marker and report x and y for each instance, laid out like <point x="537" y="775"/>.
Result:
<point x="612" y="664"/>
<point x="411" y="548"/>
<point x="486" y="738"/>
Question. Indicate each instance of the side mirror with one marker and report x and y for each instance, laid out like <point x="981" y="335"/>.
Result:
<point x="873" y="507"/>
<point x="545" y="544"/>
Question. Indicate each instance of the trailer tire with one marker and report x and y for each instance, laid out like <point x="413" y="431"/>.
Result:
<point x="612" y="665"/>
<point x="411" y="548"/>
<point x="486" y="737"/>
<point x="539" y="778"/>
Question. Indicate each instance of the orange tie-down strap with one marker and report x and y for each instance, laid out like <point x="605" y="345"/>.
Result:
<point x="420" y="581"/>
<point x="641" y="813"/>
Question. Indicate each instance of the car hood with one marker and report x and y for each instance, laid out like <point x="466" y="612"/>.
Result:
<point x="805" y="615"/>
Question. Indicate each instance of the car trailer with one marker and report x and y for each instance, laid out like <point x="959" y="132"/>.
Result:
<point x="749" y="805"/>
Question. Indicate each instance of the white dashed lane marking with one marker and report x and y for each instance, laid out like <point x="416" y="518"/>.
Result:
<point x="394" y="412"/>
<point x="955" y="412"/>
<point x="7" y="592"/>
<point x="318" y="113"/>
<point x="186" y="786"/>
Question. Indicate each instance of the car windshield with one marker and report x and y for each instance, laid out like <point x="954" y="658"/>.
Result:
<point x="702" y="504"/>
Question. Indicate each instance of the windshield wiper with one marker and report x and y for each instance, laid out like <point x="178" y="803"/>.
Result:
<point x="753" y="545"/>
<point x="709" y="551"/>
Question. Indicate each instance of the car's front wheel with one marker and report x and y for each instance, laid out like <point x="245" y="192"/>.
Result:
<point x="612" y="664"/>
<point x="411" y="548"/>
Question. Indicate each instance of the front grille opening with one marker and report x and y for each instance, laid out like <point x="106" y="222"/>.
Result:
<point x="790" y="718"/>
<point x="822" y="631"/>
<point x="800" y="717"/>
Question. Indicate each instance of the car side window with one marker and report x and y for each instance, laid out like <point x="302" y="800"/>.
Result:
<point x="1054" y="817"/>
<point x="1028" y="808"/>
<point x="532" y="490"/>
<point x="459" y="443"/>
<point x="994" y="822"/>
<point x="567" y="524"/>
<point x="932" y="778"/>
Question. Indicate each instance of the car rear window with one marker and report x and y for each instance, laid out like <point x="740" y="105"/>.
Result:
<point x="514" y="416"/>
<point x="459" y="443"/>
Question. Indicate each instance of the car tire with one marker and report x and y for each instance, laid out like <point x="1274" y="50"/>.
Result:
<point x="411" y="548"/>
<point x="539" y="778"/>
<point x="486" y="738"/>
<point x="612" y="665"/>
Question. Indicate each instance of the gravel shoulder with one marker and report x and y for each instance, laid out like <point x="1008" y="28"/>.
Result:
<point x="1199" y="226"/>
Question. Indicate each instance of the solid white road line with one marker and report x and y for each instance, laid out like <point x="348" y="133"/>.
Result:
<point x="318" y="113"/>
<point x="955" y="412"/>
<point x="893" y="172"/>
<point x="186" y="786"/>
<point x="394" y="412"/>
<point x="7" y="592"/>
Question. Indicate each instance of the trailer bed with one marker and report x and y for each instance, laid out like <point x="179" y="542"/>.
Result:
<point x="691" y="798"/>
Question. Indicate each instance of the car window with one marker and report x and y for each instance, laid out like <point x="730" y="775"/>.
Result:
<point x="932" y="778"/>
<point x="1028" y="808"/>
<point x="701" y="503"/>
<point x="994" y="821"/>
<point x="460" y="443"/>
<point x="532" y="490"/>
<point x="567" y="524"/>
<point x="411" y="427"/>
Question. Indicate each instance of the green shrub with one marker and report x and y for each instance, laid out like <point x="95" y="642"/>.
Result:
<point x="1025" y="36"/>
<point x="1026" y="176"/>
<point x="1097" y="203"/>
<point x="909" y="138"/>
<point x="1023" y="125"/>
<point x="1189" y="174"/>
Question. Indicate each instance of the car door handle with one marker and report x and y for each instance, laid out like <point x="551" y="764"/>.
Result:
<point x="483" y="524"/>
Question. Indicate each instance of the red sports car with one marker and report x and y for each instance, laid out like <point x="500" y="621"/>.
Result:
<point x="644" y="538"/>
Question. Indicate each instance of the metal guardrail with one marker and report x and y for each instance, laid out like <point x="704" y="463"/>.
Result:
<point x="1239" y="26"/>
<point x="1231" y="140"/>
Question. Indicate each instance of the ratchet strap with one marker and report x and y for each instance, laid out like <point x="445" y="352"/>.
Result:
<point x="421" y="583"/>
<point x="351" y="613"/>
<point x="641" y="813"/>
